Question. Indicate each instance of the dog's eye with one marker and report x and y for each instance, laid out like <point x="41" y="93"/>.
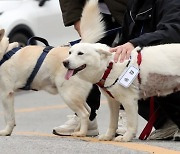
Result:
<point x="80" y="53"/>
<point x="69" y="52"/>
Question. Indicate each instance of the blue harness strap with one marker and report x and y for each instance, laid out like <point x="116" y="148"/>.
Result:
<point x="39" y="62"/>
<point x="74" y="42"/>
<point x="9" y="54"/>
<point x="36" y="68"/>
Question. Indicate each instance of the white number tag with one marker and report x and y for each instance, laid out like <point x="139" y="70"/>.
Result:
<point x="128" y="76"/>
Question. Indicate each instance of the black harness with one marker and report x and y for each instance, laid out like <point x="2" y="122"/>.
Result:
<point x="39" y="62"/>
<point x="36" y="68"/>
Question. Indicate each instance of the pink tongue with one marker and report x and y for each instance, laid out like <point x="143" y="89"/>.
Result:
<point x="69" y="74"/>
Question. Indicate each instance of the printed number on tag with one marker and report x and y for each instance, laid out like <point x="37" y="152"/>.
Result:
<point x="128" y="76"/>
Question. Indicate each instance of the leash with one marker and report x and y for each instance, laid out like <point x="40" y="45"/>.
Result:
<point x="153" y="114"/>
<point x="114" y="30"/>
<point x="152" y="118"/>
<point x="39" y="61"/>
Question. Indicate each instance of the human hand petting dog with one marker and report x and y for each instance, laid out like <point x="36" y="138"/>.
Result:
<point x="122" y="52"/>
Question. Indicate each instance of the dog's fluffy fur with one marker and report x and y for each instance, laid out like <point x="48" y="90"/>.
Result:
<point x="15" y="72"/>
<point x="159" y="73"/>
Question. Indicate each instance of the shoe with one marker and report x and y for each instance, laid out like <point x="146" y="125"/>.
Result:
<point x="68" y="128"/>
<point x="177" y="135"/>
<point x="122" y="123"/>
<point x="167" y="132"/>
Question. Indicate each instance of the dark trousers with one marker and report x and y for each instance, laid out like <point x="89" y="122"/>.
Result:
<point x="168" y="108"/>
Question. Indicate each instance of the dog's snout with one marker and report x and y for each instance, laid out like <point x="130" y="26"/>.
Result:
<point x="66" y="63"/>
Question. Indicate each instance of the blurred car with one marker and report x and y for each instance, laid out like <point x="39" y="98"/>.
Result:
<point x="23" y="19"/>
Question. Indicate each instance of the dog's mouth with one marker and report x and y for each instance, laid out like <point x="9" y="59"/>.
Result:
<point x="71" y="72"/>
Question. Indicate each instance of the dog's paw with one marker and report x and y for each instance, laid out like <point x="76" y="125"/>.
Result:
<point x="125" y="138"/>
<point x="121" y="139"/>
<point x="105" y="138"/>
<point x="78" y="134"/>
<point x="5" y="133"/>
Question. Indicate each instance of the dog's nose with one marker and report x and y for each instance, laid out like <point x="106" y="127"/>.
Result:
<point x="66" y="63"/>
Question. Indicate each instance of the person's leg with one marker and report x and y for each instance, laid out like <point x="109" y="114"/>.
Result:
<point x="93" y="100"/>
<point x="168" y="121"/>
<point x="171" y="106"/>
<point x="144" y="111"/>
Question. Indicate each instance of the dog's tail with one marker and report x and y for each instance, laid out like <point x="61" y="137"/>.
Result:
<point x="92" y="27"/>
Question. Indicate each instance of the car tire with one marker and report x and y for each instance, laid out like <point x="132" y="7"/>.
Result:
<point x="20" y="38"/>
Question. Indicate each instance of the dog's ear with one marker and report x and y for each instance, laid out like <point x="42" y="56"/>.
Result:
<point x="2" y="31"/>
<point x="103" y="49"/>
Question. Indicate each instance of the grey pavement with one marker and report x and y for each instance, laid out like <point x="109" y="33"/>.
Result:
<point x="38" y="112"/>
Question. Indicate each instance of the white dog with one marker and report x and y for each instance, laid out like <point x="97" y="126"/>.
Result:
<point x="15" y="72"/>
<point x="159" y="75"/>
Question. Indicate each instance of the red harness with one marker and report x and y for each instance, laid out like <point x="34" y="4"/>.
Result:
<point x="102" y="81"/>
<point x="153" y="114"/>
<point x="139" y="59"/>
<point x="107" y="72"/>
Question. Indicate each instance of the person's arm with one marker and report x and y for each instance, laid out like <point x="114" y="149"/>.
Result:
<point x="168" y="28"/>
<point x="71" y="10"/>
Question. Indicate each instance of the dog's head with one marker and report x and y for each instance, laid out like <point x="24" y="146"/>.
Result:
<point x="86" y="57"/>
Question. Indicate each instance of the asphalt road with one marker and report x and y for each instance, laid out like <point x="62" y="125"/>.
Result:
<point x="38" y="112"/>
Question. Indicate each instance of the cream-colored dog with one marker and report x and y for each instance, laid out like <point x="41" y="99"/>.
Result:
<point x="15" y="72"/>
<point x="159" y="75"/>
